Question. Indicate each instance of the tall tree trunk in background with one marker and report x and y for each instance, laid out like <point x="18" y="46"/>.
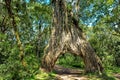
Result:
<point x="67" y="36"/>
<point x="11" y="15"/>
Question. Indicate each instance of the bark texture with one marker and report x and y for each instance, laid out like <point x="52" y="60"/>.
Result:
<point x="67" y="36"/>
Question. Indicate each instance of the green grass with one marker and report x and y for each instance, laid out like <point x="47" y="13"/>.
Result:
<point x="45" y="76"/>
<point x="107" y="75"/>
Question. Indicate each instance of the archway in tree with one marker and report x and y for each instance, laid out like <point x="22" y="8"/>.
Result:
<point x="68" y="60"/>
<point x="67" y="36"/>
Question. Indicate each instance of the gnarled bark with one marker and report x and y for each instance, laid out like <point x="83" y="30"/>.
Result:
<point x="67" y="36"/>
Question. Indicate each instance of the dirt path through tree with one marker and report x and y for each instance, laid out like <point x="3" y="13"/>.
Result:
<point x="76" y="74"/>
<point x="69" y="74"/>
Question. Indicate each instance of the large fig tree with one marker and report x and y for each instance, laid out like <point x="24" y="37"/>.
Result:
<point x="67" y="36"/>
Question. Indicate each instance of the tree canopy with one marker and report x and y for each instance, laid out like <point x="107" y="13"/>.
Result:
<point x="26" y="27"/>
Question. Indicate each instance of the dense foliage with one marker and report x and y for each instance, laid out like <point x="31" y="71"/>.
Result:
<point x="99" y="19"/>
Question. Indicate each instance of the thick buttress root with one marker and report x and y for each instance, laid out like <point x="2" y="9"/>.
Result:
<point x="75" y="44"/>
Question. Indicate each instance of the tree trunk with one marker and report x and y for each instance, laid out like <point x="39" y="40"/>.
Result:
<point x="67" y="36"/>
<point x="11" y="15"/>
